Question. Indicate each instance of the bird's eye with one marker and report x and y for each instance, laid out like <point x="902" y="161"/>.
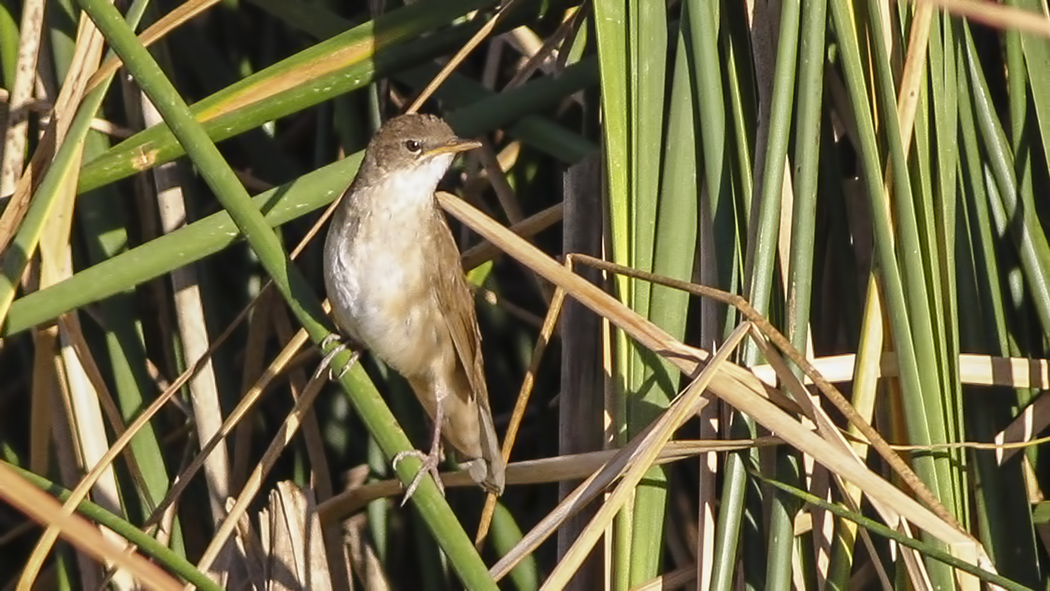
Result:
<point x="413" y="146"/>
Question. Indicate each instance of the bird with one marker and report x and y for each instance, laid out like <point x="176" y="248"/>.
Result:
<point x="393" y="275"/>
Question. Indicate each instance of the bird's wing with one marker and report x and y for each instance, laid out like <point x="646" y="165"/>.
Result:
<point x="457" y="305"/>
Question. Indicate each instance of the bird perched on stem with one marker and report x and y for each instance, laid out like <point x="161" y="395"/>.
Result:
<point x="393" y="275"/>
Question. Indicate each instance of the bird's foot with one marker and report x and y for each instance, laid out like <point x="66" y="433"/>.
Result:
<point x="430" y="464"/>
<point x="326" y="361"/>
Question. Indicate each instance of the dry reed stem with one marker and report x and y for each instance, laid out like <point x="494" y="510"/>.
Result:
<point x="999" y="16"/>
<point x="976" y="370"/>
<point x="125" y="438"/>
<point x="86" y="55"/>
<point x="255" y="479"/>
<point x="676" y="579"/>
<point x="520" y="405"/>
<point x="827" y="428"/>
<point x="21" y="96"/>
<point x="826" y="388"/>
<point x="461" y="55"/>
<point x="681" y="409"/>
<point x="734" y="384"/>
<point x="542" y="471"/>
<point x="56" y="264"/>
<point x="246" y="403"/>
<point x="83" y="534"/>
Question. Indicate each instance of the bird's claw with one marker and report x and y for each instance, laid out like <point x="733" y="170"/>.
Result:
<point x="331" y="338"/>
<point x="326" y="361"/>
<point x="430" y="464"/>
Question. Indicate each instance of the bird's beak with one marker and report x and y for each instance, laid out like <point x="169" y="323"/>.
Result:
<point x="454" y="146"/>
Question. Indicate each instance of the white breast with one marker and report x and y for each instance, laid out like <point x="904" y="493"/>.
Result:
<point x="384" y="298"/>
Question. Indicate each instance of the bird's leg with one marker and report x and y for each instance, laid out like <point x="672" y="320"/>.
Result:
<point x="326" y="361"/>
<point x="430" y="460"/>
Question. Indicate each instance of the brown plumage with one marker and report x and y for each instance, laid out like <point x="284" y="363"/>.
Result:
<point x="393" y="275"/>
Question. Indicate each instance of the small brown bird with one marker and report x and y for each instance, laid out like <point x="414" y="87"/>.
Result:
<point x="393" y="275"/>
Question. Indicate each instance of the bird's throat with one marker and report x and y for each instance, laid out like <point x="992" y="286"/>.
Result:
<point x="405" y="192"/>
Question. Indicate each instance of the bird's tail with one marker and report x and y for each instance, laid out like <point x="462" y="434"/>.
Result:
<point x="491" y="472"/>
